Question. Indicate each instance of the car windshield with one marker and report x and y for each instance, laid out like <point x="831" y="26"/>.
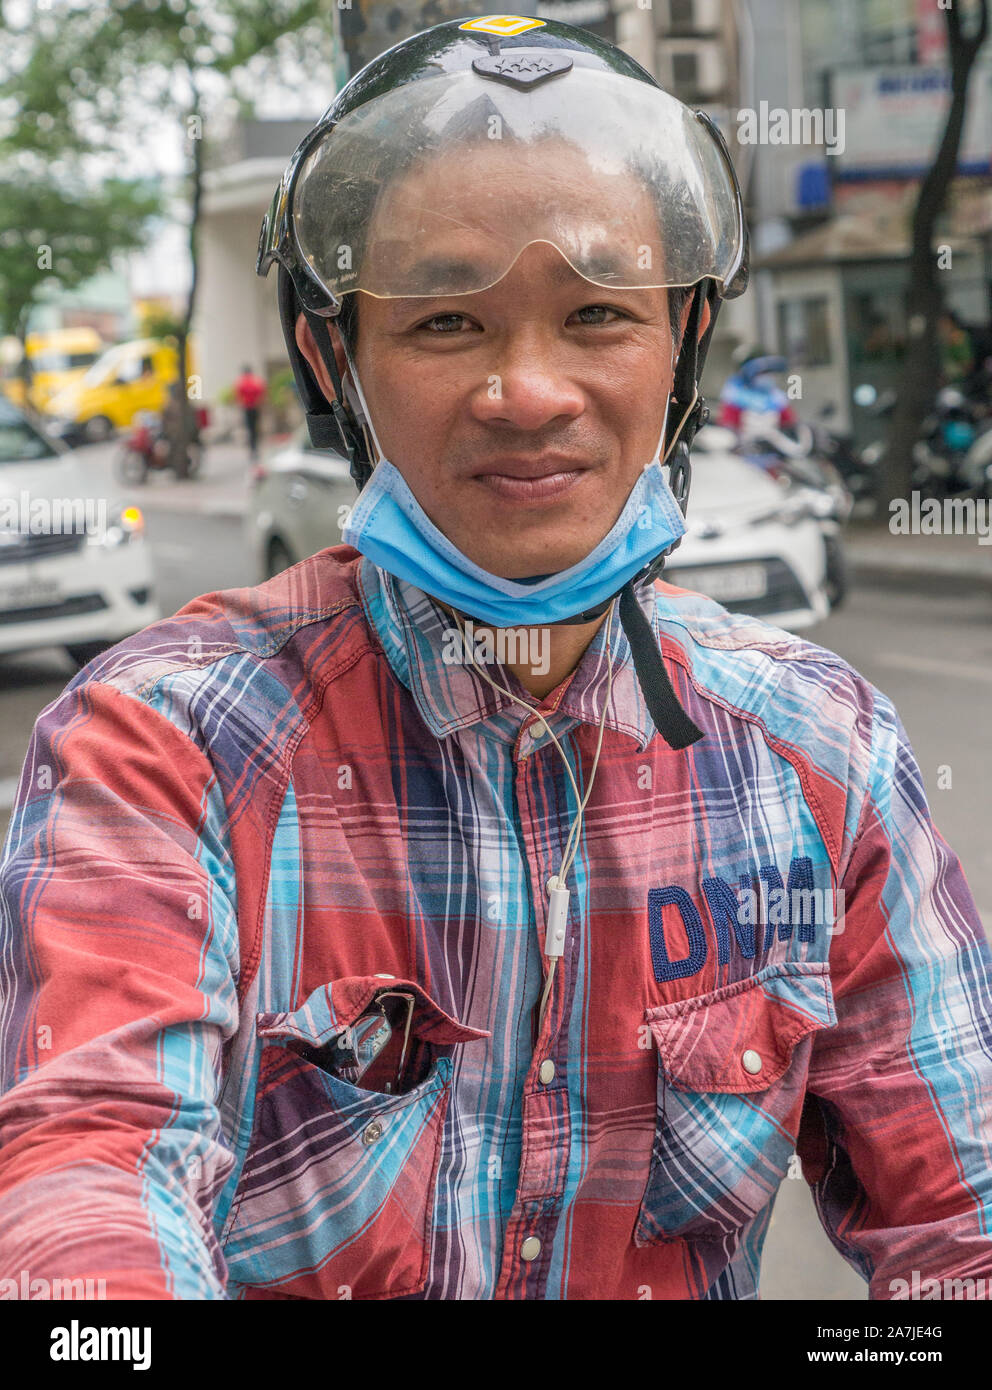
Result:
<point x="104" y="368"/>
<point x="19" y="441"/>
<point x="63" y="361"/>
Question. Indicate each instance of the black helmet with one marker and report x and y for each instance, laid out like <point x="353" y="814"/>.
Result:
<point x="528" y="80"/>
<point x="601" y="128"/>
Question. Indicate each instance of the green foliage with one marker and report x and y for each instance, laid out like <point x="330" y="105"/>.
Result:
<point x="82" y="81"/>
<point x="282" y="388"/>
<point x="52" y="232"/>
<point x="79" y="71"/>
<point x="159" y="323"/>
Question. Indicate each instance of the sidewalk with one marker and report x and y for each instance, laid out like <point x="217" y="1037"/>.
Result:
<point x="875" y="554"/>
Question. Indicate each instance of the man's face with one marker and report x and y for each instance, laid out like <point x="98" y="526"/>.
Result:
<point x="521" y="415"/>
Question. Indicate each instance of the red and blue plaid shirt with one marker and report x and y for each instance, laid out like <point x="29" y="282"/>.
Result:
<point x="252" y="833"/>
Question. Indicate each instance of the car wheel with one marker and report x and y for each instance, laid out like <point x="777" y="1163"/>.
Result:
<point x="98" y="429"/>
<point x="83" y="652"/>
<point x="277" y="559"/>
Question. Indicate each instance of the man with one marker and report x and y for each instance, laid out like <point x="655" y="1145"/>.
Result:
<point x="751" y="400"/>
<point x="341" y="961"/>
<point x="249" y="391"/>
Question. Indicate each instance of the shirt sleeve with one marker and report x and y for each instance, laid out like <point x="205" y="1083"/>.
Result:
<point x="118" y="964"/>
<point x="896" y="1137"/>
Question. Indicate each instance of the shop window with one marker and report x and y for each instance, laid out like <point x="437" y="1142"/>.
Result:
<point x="804" y="332"/>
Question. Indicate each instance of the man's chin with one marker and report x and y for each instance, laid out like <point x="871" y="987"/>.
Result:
<point x="510" y="559"/>
<point x="533" y="567"/>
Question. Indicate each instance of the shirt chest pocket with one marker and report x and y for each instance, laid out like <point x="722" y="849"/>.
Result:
<point x="732" y="1069"/>
<point x="336" y="1196"/>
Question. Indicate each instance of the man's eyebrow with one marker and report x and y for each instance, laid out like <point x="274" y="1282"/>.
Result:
<point x="446" y="268"/>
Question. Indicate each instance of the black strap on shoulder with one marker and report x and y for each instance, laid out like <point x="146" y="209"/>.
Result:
<point x="670" y="719"/>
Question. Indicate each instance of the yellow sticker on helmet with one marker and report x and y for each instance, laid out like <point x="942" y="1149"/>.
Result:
<point x="506" y="26"/>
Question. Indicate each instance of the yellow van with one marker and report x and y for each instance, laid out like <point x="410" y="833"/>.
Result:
<point x="127" y="378"/>
<point x="58" y="358"/>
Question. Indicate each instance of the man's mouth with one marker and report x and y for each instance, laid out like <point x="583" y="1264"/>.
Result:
<point x="531" y="480"/>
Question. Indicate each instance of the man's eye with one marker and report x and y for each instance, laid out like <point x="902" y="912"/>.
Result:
<point x="444" y="323"/>
<point x="598" y="313"/>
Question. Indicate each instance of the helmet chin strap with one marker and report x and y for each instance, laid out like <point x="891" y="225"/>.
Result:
<point x="341" y="429"/>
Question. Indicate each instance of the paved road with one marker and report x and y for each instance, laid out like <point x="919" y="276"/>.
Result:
<point x="930" y="650"/>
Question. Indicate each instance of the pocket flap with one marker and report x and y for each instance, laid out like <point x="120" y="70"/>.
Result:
<point x="335" y="1006"/>
<point x="715" y="1042"/>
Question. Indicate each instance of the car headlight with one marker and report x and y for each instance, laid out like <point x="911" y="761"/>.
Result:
<point x="123" y="524"/>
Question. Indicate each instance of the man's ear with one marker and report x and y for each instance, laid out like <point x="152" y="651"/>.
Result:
<point x="305" y="342"/>
<point x="704" y="320"/>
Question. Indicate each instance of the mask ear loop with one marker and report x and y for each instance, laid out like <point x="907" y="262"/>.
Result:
<point x="363" y="415"/>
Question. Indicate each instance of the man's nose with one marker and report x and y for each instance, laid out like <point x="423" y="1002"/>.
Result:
<point x="528" y="386"/>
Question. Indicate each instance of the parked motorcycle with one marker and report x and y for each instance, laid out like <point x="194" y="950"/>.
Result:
<point x="946" y="438"/>
<point x="148" y="449"/>
<point x="839" y="450"/>
<point x="788" y="455"/>
<point x="953" y="455"/>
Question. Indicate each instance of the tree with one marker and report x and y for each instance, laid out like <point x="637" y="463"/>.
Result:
<point x="92" y="77"/>
<point x="56" y="231"/>
<point x="924" y="298"/>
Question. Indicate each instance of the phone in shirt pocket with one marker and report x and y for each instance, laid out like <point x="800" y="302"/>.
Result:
<point x="732" y="1071"/>
<point x="336" y="1195"/>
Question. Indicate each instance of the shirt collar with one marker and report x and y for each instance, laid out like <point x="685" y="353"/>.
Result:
<point x="416" y="633"/>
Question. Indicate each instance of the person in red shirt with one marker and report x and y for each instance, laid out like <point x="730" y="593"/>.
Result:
<point x="249" y="391"/>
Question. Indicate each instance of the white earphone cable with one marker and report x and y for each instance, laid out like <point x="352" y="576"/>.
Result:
<point x="557" y="891"/>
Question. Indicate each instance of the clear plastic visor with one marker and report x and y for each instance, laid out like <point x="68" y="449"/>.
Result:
<point x="436" y="188"/>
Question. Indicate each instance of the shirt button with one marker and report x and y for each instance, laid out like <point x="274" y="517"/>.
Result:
<point x="751" y="1061"/>
<point x="547" y="1072"/>
<point x="371" y="1132"/>
<point x="530" y="1249"/>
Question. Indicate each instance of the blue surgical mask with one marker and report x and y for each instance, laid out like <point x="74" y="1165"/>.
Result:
<point x="390" y="527"/>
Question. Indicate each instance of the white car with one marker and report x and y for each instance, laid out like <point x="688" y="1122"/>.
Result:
<point x="74" y="566"/>
<point x="299" y="503"/>
<point x="751" y="544"/>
